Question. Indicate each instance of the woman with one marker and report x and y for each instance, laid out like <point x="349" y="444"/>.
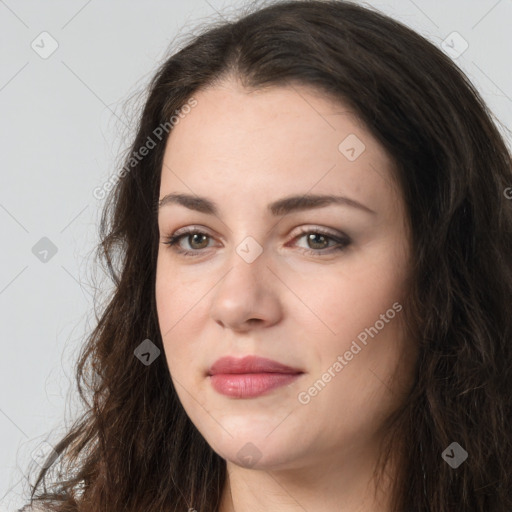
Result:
<point x="310" y="242"/>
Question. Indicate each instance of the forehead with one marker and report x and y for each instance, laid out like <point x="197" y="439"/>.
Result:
<point x="280" y="138"/>
<point x="281" y="117"/>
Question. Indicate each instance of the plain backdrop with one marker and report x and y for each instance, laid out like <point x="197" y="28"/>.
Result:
<point x="68" y="69"/>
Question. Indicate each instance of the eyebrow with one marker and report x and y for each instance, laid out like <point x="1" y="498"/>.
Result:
<point x="277" y="208"/>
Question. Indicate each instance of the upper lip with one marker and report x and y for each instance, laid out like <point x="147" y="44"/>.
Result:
<point x="249" y="364"/>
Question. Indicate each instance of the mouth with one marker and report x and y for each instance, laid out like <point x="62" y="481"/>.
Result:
<point x="250" y="376"/>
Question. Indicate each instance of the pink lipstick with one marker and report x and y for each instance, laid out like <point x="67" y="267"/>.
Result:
<point x="250" y="376"/>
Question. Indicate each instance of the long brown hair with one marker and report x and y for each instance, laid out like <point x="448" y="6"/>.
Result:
<point x="135" y="449"/>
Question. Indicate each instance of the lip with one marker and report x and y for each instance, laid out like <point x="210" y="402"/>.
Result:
<point x="249" y="364"/>
<point x="250" y="376"/>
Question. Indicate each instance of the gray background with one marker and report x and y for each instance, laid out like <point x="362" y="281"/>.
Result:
<point x="62" y="126"/>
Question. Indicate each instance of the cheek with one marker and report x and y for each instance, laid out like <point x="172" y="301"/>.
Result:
<point x="357" y="391"/>
<point x="181" y="309"/>
<point x="360" y="307"/>
<point x="342" y="301"/>
<point x="377" y="282"/>
<point x="170" y="310"/>
<point x="177" y="292"/>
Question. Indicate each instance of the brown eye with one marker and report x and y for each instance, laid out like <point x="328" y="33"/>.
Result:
<point x="318" y="242"/>
<point x="196" y="240"/>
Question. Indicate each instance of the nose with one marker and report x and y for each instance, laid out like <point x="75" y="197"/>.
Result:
<point x="247" y="295"/>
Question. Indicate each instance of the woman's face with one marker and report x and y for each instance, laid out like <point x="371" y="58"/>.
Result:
<point x="316" y="285"/>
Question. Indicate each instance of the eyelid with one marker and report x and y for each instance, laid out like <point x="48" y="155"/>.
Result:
<point x="194" y="228"/>
<point x="338" y="235"/>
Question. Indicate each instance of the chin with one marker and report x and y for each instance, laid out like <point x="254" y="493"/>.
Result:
<point x="256" y="449"/>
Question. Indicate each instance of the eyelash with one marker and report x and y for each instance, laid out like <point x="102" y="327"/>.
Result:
<point x="343" y="242"/>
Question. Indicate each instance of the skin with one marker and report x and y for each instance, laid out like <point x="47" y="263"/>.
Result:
<point x="244" y="149"/>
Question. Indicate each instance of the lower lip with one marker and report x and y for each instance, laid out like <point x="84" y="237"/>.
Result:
<point x="246" y="385"/>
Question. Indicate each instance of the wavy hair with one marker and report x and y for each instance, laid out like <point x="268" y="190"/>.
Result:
<point x="134" y="448"/>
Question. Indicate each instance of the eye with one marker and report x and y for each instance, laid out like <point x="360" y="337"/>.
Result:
<point x="319" y="239"/>
<point x="193" y="235"/>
